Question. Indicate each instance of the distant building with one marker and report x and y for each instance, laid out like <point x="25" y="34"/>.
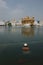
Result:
<point x="41" y="23"/>
<point x="36" y="23"/>
<point x="6" y="23"/>
<point x="18" y="23"/>
<point x="2" y="23"/>
<point x="28" y="20"/>
<point x="13" y="21"/>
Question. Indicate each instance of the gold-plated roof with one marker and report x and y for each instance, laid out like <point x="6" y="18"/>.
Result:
<point x="28" y="18"/>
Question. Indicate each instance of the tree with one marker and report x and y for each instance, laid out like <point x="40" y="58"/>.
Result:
<point x="9" y="24"/>
<point x="38" y="21"/>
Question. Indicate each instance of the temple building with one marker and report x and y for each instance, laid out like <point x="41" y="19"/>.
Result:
<point x="2" y="23"/>
<point x="28" y="20"/>
<point x="13" y="21"/>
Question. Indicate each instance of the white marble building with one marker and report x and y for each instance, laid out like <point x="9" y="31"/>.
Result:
<point x="36" y="23"/>
<point x="13" y="21"/>
<point x="2" y="23"/>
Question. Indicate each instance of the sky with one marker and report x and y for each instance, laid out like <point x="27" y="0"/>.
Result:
<point x="17" y="9"/>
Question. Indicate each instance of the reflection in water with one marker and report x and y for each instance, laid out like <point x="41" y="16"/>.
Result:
<point x="26" y="49"/>
<point x="2" y="28"/>
<point x="10" y="29"/>
<point x="11" y="52"/>
<point x="26" y="52"/>
<point x="28" y="31"/>
<point x="23" y="31"/>
<point x="21" y="61"/>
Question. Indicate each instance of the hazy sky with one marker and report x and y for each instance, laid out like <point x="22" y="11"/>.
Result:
<point x="20" y="8"/>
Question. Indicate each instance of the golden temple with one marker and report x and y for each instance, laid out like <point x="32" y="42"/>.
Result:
<point x="28" y="20"/>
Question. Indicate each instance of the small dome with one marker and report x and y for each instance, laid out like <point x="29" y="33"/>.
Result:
<point x="25" y="44"/>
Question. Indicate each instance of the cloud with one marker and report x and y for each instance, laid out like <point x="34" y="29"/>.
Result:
<point x="3" y="9"/>
<point x="7" y="13"/>
<point x="3" y="4"/>
<point x="17" y="12"/>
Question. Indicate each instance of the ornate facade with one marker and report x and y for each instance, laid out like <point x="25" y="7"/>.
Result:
<point x="28" y="20"/>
